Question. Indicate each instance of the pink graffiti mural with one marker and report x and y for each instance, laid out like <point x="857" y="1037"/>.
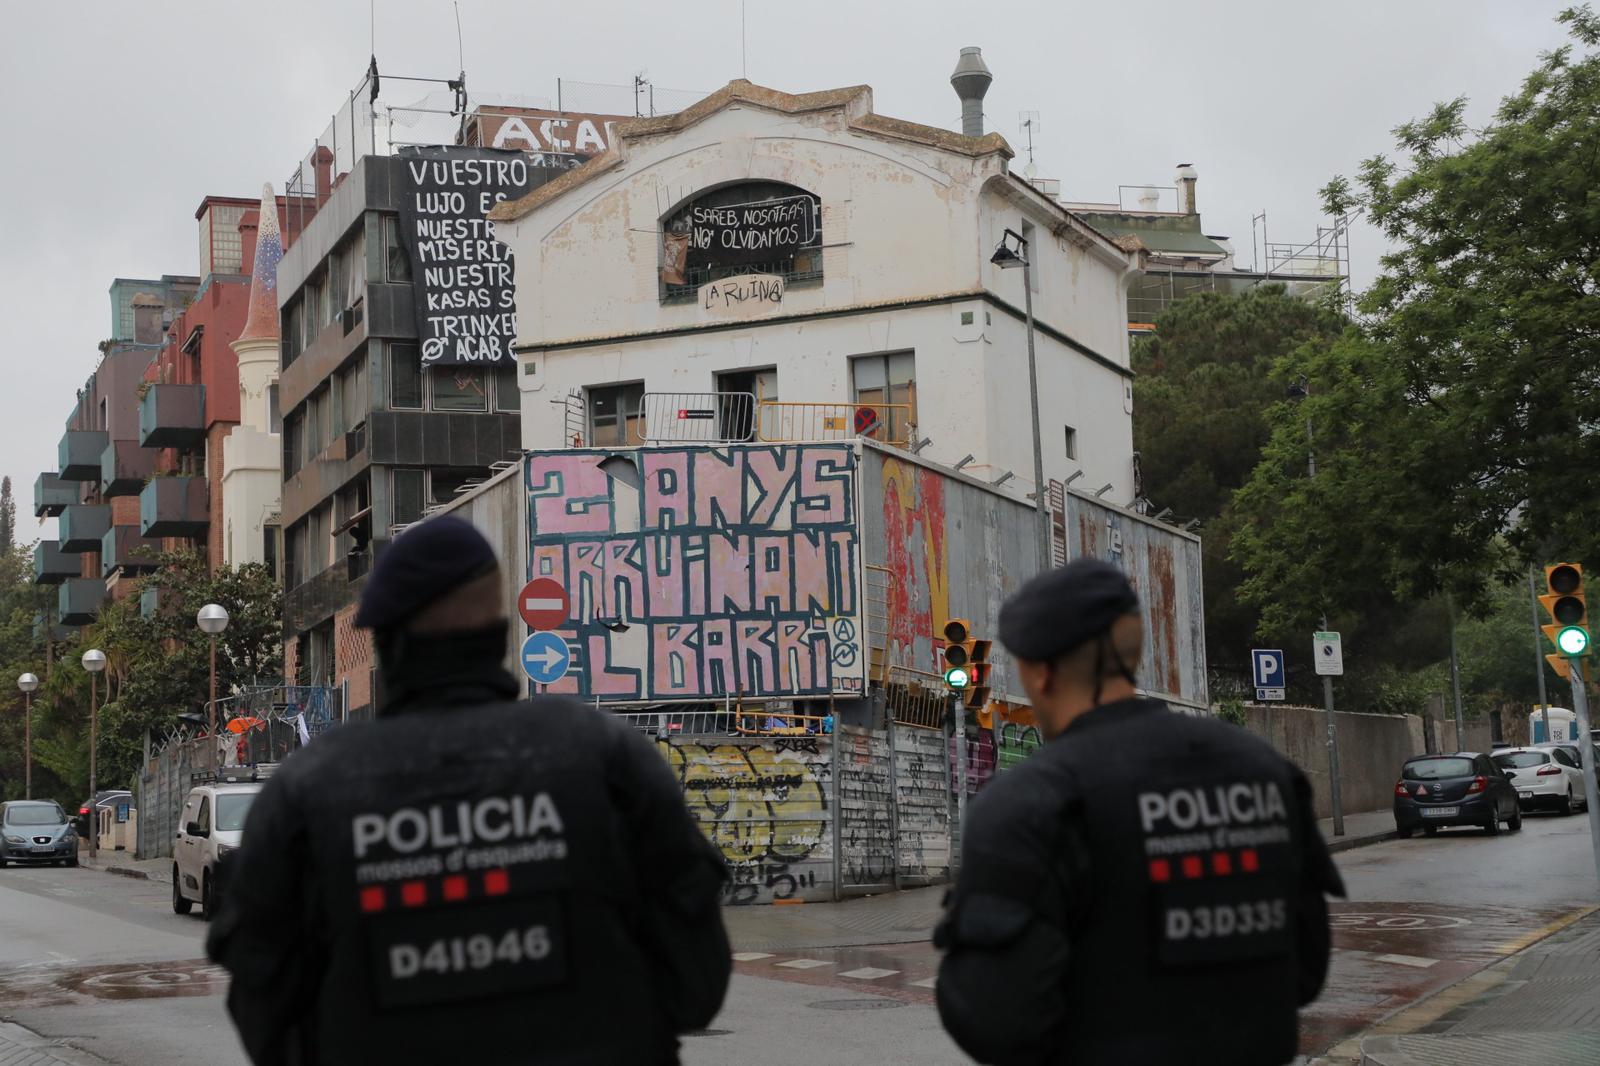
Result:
<point x="723" y="572"/>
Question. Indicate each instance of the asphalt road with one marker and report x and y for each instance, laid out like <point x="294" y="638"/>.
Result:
<point x="99" y="963"/>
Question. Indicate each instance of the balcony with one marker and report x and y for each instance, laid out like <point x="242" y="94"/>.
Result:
<point x="172" y="416"/>
<point x="79" y="600"/>
<point x="81" y="527"/>
<point x="124" y="468"/>
<point x="51" y="565"/>
<point x="51" y="495"/>
<point x="78" y="455"/>
<point x="174" y="507"/>
<point x="122" y="548"/>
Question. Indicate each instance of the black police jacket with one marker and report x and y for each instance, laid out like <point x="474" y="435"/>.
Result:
<point x="1146" y="888"/>
<point x="504" y="883"/>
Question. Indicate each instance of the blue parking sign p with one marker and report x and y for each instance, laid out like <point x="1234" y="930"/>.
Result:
<point x="1267" y="666"/>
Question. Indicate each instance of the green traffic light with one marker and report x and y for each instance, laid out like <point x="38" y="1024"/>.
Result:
<point x="956" y="677"/>
<point x="1573" y="640"/>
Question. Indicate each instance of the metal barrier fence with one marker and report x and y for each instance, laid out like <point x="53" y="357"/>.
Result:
<point x="918" y="698"/>
<point x="697" y="417"/>
<point x="887" y="423"/>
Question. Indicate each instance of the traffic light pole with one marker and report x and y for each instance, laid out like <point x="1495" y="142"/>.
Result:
<point x="1538" y="656"/>
<point x="1591" y="792"/>
<point x="1335" y="790"/>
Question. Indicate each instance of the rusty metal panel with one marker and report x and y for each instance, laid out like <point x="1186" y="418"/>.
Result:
<point x="1164" y="566"/>
<point x="957" y="548"/>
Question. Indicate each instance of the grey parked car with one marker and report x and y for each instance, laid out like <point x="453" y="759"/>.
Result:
<point x="36" y="831"/>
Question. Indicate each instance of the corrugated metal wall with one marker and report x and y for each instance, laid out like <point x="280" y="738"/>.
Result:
<point x="164" y="783"/>
<point x="955" y="548"/>
<point x="1164" y="565"/>
<point x="499" y="510"/>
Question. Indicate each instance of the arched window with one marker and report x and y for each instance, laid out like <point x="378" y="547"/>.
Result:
<point x="752" y="227"/>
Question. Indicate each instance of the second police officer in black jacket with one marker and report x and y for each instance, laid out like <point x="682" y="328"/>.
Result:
<point x="471" y="878"/>
<point x="1148" y="887"/>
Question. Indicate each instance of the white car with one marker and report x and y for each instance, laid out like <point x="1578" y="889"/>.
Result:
<point x="1545" y="776"/>
<point x="211" y="826"/>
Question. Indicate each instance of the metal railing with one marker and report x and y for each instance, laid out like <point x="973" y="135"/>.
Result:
<point x="780" y="422"/>
<point x="764" y="722"/>
<point x="878" y="591"/>
<point x="698" y="417"/>
<point x="917" y="698"/>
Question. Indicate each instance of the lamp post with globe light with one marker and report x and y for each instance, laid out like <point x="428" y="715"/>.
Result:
<point x="212" y="620"/>
<point x="27" y="683"/>
<point x="94" y="661"/>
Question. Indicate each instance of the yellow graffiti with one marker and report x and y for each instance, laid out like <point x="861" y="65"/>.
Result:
<point x="755" y="804"/>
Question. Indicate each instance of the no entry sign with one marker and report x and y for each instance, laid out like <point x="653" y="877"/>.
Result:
<point x="543" y="603"/>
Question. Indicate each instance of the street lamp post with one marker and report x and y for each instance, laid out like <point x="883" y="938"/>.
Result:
<point x="1012" y="252"/>
<point x="212" y="620"/>
<point x="94" y="661"/>
<point x="27" y="683"/>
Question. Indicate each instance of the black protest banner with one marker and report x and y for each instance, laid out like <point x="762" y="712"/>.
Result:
<point x="761" y="231"/>
<point x="465" y="297"/>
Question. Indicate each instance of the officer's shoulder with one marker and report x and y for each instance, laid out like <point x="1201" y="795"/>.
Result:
<point x="1031" y="794"/>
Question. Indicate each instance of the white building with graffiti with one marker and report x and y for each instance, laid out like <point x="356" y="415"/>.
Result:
<point x="773" y="267"/>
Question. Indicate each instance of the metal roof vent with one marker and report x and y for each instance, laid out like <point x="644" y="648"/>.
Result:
<point x="971" y="81"/>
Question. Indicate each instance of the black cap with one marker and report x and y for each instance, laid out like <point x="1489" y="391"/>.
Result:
<point x="423" y="563"/>
<point x="1059" y="610"/>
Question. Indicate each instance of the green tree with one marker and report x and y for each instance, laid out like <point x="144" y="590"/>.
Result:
<point x="1202" y="393"/>
<point x="1453" y="428"/>
<point x="8" y="516"/>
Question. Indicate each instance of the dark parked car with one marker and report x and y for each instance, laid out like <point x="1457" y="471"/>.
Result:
<point x="1466" y="788"/>
<point x="105" y="797"/>
<point x="36" y="831"/>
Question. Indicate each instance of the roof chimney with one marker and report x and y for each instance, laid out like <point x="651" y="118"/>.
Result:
<point x="970" y="81"/>
<point x="1186" y="182"/>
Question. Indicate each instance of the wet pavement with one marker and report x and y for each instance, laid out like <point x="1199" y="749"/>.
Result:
<point x="98" y="965"/>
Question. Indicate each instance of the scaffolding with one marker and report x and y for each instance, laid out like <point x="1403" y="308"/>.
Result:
<point x="367" y="124"/>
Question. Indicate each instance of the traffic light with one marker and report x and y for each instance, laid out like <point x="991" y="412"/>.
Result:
<point x="977" y="693"/>
<point x="1564" y="602"/>
<point x="958" y="647"/>
<point x="966" y="663"/>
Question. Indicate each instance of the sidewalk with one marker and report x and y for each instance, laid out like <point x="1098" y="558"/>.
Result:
<point x="123" y="862"/>
<point x="1360" y="829"/>
<point x="1540" y="1007"/>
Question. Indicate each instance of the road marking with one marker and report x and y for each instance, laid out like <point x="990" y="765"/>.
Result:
<point x="804" y="964"/>
<point x="1406" y="960"/>
<point x="751" y="956"/>
<point x="1511" y="947"/>
<point x="869" y="973"/>
<point x="929" y="983"/>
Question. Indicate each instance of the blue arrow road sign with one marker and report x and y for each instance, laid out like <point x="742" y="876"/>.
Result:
<point x="545" y="658"/>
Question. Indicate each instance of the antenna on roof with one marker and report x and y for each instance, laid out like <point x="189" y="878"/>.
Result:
<point x="1028" y="125"/>
<point x="744" y="55"/>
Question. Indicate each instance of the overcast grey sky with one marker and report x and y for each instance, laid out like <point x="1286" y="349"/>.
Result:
<point x="119" y="117"/>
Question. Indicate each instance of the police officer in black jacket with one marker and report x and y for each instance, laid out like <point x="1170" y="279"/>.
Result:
<point x="1148" y="887"/>
<point x="470" y="878"/>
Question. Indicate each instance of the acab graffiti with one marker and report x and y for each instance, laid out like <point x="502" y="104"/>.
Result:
<point x="764" y="805"/>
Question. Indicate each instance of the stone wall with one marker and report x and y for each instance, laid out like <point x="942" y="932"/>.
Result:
<point x="1372" y="748"/>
